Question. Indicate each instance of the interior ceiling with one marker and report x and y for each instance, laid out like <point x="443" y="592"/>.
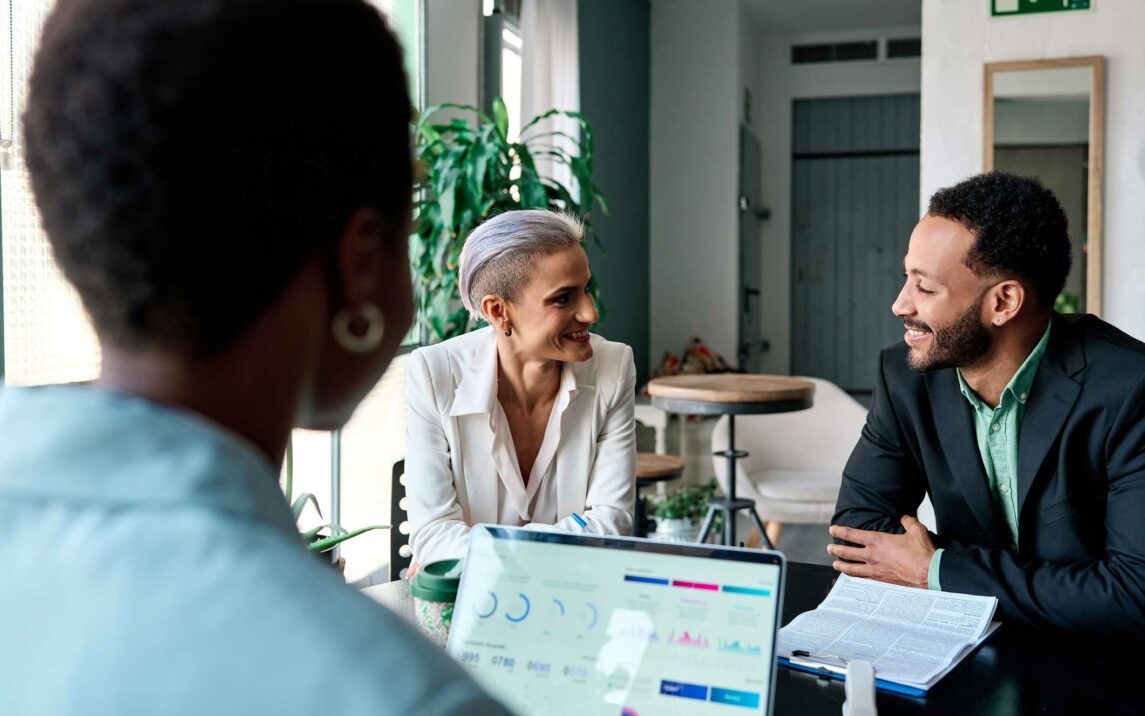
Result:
<point x="797" y="17"/>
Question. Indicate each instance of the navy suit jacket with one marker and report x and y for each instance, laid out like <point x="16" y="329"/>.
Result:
<point x="1080" y="562"/>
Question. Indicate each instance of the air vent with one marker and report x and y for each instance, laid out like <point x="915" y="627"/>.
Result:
<point x="803" y="54"/>
<point x="910" y="47"/>
<point x="836" y="52"/>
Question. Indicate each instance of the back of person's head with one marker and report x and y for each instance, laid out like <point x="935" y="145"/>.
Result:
<point x="1019" y="229"/>
<point x="189" y="156"/>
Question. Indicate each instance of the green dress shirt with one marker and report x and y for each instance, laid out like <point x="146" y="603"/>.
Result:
<point x="997" y="430"/>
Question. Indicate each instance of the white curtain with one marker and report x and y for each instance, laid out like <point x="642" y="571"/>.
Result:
<point x="550" y="76"/>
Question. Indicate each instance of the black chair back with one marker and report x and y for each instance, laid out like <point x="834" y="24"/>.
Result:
<point x="400" y="552"/>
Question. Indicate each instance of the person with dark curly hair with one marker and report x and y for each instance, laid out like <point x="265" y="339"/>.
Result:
<point x="1024" y="427"/>
<point x="227" y="184"/>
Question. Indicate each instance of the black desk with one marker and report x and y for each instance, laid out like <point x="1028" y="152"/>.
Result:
<point x="1017" y="671"/>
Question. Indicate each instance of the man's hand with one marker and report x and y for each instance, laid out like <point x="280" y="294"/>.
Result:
<point x="899" y="559"/>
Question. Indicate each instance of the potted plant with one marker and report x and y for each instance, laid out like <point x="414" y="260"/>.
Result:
<point x="678" y="513"/>
<point x="471" y="171"/>
<point x="325" y="537"/>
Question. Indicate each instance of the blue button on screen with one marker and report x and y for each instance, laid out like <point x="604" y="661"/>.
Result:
<point x="747" y="699"/>
<point x="686" y="691"/>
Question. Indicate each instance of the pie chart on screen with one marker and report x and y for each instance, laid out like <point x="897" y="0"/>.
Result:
<point x="488" y="606"/>
<point x="524" y="610"/>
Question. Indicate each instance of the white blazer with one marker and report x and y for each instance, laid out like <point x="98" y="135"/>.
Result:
<point x="452" y="479"/>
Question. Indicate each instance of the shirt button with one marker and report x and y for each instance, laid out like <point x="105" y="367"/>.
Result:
<point x="1023" y="396"/>
<point x="996" y="427"/>
<point x="1003" y="489"/>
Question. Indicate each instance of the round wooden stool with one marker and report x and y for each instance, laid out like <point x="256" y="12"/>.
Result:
<point x="650" y="469"/>
<point x="731" y="394"/>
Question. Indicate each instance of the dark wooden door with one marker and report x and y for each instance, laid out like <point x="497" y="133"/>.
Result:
<point x="855" y="200"/>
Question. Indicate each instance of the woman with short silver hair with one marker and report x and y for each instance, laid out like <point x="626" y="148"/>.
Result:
<point x="528" y="421"/>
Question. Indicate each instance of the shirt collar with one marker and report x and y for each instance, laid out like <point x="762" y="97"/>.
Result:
<point x="100" y="445"/>
<point x="568" y="389"/>
<point x="478" y="388"/>
<point x="1019" y="386"/>
<point x="477" y="391"/>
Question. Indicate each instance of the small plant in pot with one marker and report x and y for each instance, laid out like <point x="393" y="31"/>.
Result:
<point x="322" y="539"/>
<point x="679" y="513"/>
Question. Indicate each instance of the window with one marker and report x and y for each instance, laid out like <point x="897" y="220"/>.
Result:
<point x="503" y="44"/>
<point x="47" y="338"/>
<point x="511" y="76"/>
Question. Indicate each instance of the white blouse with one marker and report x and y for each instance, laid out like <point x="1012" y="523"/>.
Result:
<point x="461" y="464"/>
<point x="517" y="501"/>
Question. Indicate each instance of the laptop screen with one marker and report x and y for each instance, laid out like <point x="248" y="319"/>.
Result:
<point x="555" y="623"/>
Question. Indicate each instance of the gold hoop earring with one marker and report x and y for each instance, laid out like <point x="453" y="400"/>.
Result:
<point x="351" y="342"/>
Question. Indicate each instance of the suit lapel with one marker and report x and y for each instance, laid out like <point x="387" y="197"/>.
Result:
<point x="573" y="461"/>
<point x="476" y="460"/>
<point x="475" y="376"/>
<point x="955" y="427"/>
<point x="1052" y="397"/>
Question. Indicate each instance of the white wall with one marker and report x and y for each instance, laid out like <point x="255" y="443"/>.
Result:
<point x="693" y="174"/>
<point x="958" y="37"/>
<point x="778" y="83"/>
<point x="749" y="38"/>
<point x="453" y="57"/>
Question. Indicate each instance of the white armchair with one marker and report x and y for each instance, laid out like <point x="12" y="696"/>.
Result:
<point x="796" y="460"/>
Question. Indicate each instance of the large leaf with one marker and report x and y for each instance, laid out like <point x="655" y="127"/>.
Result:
<point x="583" y="176"/>
<point x="432" y="136"/>
<point x="559" y="195"/>
<point x="312" y="534"/>
<point x="299" y="505"/>
<point x="447" y="200"/>
<point x="501" y="118"/>
<point x="326" y="543"/>
<point x="540" y="118"/>
<point x="434" y="109"/>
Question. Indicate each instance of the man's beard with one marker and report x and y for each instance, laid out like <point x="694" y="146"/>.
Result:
<point x="958" y="345"/>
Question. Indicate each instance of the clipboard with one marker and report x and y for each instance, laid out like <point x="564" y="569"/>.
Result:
<point x="880" y="684"/>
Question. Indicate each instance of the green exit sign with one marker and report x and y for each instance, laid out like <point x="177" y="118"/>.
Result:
<point x="1025" y="7"/>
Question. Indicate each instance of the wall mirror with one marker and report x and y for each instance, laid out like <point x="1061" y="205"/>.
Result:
<point x="1045" y="118"/>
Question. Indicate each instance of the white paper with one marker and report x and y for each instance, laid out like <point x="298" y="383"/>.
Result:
<point x="911" y="636"/>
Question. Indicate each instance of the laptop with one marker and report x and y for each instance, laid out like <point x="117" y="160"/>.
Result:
<point x="554" y="623"/>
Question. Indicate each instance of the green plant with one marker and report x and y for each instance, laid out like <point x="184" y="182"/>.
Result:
<point x="324" y="537"/>
<point x="1067" y="303"/>
<point x="471" y="172"/>
<point x="686" y="503"/>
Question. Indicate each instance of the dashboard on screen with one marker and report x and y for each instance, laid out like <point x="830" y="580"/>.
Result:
<point x="561" y="624"/>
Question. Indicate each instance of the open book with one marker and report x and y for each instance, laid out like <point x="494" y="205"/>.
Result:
<point x="913" y="637"/>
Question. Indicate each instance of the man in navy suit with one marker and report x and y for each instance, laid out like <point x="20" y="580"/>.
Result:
<point x="1025" y="427"/>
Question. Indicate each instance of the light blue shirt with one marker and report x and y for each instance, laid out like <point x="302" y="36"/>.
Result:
<point x="150" y="565"/>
